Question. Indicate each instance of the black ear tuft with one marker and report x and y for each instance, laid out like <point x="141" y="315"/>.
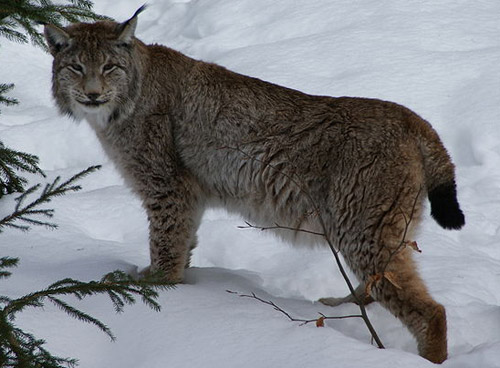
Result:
<point x="126" y="29"/>
<point x="140" y="10"/>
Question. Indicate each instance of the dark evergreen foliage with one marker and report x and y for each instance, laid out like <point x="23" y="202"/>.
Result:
<point x="4" y="88"/>
<point x="28" y="14"/>
<point x="28" y="214"/>
<point x="11" y="163"/>
<point x="19" y="348"/>
<point x="18" y="22"/>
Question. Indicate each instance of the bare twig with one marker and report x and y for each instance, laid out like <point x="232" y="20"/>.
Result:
<point x="322" y="223"/>
<point x="403" y="243"/>
<point x="318" y="320"/>
<point x="389" y="276"/>
<point x="278" y="227"/>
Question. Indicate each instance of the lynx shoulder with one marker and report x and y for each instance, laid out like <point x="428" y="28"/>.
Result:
<point x="187" y="134"/>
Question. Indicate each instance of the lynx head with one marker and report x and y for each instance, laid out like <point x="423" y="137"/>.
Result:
<point x="96" y="69"/>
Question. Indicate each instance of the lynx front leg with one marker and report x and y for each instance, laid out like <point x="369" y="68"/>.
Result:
<point x="173" y="221"/>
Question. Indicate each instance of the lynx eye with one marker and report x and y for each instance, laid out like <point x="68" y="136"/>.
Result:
<point x="108" y="68"/>
<point x="76" y="68"/>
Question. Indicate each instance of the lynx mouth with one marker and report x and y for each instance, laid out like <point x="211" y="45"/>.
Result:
<point x="93" y="103"/>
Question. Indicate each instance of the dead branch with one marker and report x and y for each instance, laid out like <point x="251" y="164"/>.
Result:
<point x="278" y="227"/>
<point x="387" y="275"/>
<point x="403" y="243"/>
<point x="311" y="200"/>
<point x="318" y="321"/>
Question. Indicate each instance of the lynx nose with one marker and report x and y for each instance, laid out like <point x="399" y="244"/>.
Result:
<point x="93" y="96"/>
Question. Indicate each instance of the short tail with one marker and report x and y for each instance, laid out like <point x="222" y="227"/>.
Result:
<point x="444" y="206"/>
<point x="439" y="176"/>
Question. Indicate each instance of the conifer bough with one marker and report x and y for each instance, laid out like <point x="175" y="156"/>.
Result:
<point x="21" y="349"/>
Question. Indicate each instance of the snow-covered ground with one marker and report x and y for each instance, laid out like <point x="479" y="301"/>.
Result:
<point x="439" y="58"/>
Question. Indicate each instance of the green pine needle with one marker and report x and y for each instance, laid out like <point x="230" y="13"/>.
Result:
<point x="19" y="22"/>
<point x="26" y="215"/>
<point x="18" y="348"/>
<point x="7" y="262"/>
<point x="28" y="14"/>
<point x="84" y="317"/>
<point x="12" y="162"/>
<point x="7" y="87"/>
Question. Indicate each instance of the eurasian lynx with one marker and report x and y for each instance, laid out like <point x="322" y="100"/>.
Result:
<point x="187" y="134"/>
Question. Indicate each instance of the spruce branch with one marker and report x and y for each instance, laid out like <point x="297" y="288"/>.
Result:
<point x="120" y="287"/>
<point x="7" y="31"/>
<point x="19" y="22"/>
<point x="28" y="14"/>
<point x="4" y="88"/>
<point x="12" y="162"/>
<point x="79" y="315"/>
<point x="20" y="349"/>
<point x="7" y="262"/>
<point x="29" y="214"/>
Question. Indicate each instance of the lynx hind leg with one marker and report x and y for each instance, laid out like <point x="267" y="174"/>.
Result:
<point x="405" y="295"/>
<point x="398" y="286"/>
<point x="361" y="297"/>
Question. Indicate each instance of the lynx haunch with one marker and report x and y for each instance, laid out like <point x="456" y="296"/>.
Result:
<point x="187" y="134"/>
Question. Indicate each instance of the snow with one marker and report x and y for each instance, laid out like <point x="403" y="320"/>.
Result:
<point x="438" y="58"/>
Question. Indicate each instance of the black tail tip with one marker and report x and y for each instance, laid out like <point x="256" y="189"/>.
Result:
<point x="445" y="208"/>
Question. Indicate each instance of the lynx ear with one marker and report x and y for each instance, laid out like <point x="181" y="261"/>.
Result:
<point x="126" y="29"/>
<point x="56" y="37"/>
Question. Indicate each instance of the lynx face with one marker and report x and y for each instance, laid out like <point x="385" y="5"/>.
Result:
<point x="95" y="78"/>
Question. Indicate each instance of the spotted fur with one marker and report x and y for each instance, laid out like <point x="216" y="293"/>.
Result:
<point x="187" y="134"/>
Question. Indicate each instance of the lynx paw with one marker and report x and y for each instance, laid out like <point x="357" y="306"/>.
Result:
<point x="147" y="272"/>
